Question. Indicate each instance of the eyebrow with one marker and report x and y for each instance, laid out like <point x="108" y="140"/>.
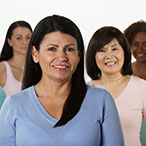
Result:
<point x="114" y="45"/>
<point x="22" y="35"/>
<point x="65" y="45"/>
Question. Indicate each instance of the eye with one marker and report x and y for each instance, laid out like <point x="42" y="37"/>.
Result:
<point x="28" y="38"/>
<point x="69" y="49"/>
<point x="135" y="44"/>
<point x="18" y="38"/>
<point x="101" y="50"/>
<point x="51" y="49"/>
<point x="144" y="44"/>
<point x="114" y="49"/>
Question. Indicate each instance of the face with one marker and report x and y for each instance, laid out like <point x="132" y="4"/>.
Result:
<point x="58" y="56"/>
<point x="138" y="46"/>
<point x="110" y="58"/>
<point x="19" y="40"/>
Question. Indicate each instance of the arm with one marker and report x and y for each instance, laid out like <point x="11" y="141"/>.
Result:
<point x="7" y="126"/>
<point x="111" y="127"/>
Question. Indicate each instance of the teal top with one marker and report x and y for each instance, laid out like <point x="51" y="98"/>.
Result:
<point x="2" y="96"/>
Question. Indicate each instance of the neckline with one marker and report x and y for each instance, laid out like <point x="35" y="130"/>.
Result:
<point x="41" y="108"/>
<point x="126" y="87"/>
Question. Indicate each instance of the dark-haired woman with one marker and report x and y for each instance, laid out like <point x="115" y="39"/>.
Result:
<point x="56" y="107"/>
<point x="13" y="55"/>
<point x="109" y="66"/>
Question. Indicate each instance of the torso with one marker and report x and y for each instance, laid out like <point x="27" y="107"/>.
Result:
<point x="139" y="70"/>
<point x="115" y="92"/>
<point x="17" y="73"/>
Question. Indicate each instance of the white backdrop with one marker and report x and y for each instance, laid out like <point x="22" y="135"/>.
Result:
<point x="89" y="15"/>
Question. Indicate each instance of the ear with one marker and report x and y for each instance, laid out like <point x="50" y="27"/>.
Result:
<point x="79" y="58"/>
<point x="9" y="42"/>
<point x="35" y="54"/>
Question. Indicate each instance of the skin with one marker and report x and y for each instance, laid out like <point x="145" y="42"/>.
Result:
<point x="58" y="58"/>
<point x="138" y="47"/>
<point x="110" y="60"/>
<point x="19" y="42"/>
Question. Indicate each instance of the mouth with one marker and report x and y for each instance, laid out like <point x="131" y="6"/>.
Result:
<point x="61" y="67"/>
<point x="110" y="63"/>
<point x="140" y="55"/>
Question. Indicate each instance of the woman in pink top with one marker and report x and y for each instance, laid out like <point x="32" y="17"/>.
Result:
<point x="12" y="59"/>
<point x="109" y="66"/>
<point x="136" y="35"/>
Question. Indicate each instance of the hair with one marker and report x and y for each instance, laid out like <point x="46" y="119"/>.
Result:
<point x="7" y="50"/>
<point x="99" y="39"/>
<point x="133" y="29"/>
<point x="33" y="72"/>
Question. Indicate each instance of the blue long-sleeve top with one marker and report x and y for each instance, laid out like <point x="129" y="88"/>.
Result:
<point x="25" y="122"/>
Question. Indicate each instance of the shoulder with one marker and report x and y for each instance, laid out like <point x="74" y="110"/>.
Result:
<point x="138" y="81"/>
<point x="2" y="67"/>
<point x="98" y="94"/>
<point x="19" y="98"/>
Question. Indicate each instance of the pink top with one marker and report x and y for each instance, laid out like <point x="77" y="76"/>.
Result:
<point x="12" y="85"/>
<point x="131" y="105"/>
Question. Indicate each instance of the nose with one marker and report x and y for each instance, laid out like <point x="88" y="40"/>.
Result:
<point x="62" y="56"/>
<point x="109" y="54"/>
<point x="25" y="41"/>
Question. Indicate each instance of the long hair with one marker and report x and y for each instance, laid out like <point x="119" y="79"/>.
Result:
<point x="7" y="50"/>
<point x="99" y="39"/>
<point x="33" y="72"/>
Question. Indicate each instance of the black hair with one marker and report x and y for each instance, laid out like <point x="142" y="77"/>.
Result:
<point x="33" y="72"/>
<point x="99" y="39"/>
<point x="7" y="50"/>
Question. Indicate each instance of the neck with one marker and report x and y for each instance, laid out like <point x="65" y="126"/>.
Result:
<point x="53" y="89"/>
<point x="17" y="61"/>
<point x="111" y="78"/>
<point x="139" y="64"/>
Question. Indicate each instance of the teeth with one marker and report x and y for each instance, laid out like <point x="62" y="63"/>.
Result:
<point x="140" y="55"/>
<point x="61" y="66"/>
<point x="110" y="63"/>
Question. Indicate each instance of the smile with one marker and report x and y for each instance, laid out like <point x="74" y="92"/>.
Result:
<point x="110" y="63"/>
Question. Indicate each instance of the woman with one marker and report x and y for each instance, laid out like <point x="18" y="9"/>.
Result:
<point x="56" y="107"/>
<point x="136" y="35"/>
<point x="109" y="66"/>
<point x="12" y="59"/>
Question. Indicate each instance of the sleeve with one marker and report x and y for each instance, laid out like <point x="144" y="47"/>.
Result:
<point x="7" y="125"/>
<point x="111" y="127"/>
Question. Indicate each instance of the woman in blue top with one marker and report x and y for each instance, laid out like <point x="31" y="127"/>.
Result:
<point x="56" y="107"/>
<point x="2" y="96"/>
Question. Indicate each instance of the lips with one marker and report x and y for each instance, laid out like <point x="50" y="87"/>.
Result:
<point x="61" y="67"/>
<point x="110" y="63"/>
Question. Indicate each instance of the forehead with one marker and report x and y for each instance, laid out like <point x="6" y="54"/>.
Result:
<point x="140" y="36"/>
<point x="112" y="43"/>
<point x="59" y="37"/>
<point x="21" y="30"/>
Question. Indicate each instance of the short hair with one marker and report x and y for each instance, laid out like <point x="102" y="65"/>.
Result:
<point x="33" y="71"/>
<point x="133" y="29"/>
<point x="7" y="50"/>
<point x="99" y="39"/>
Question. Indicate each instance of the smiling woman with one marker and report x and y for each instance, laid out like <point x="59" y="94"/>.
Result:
<point x="109" y="66"/>
<point x="56" y="104"/>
